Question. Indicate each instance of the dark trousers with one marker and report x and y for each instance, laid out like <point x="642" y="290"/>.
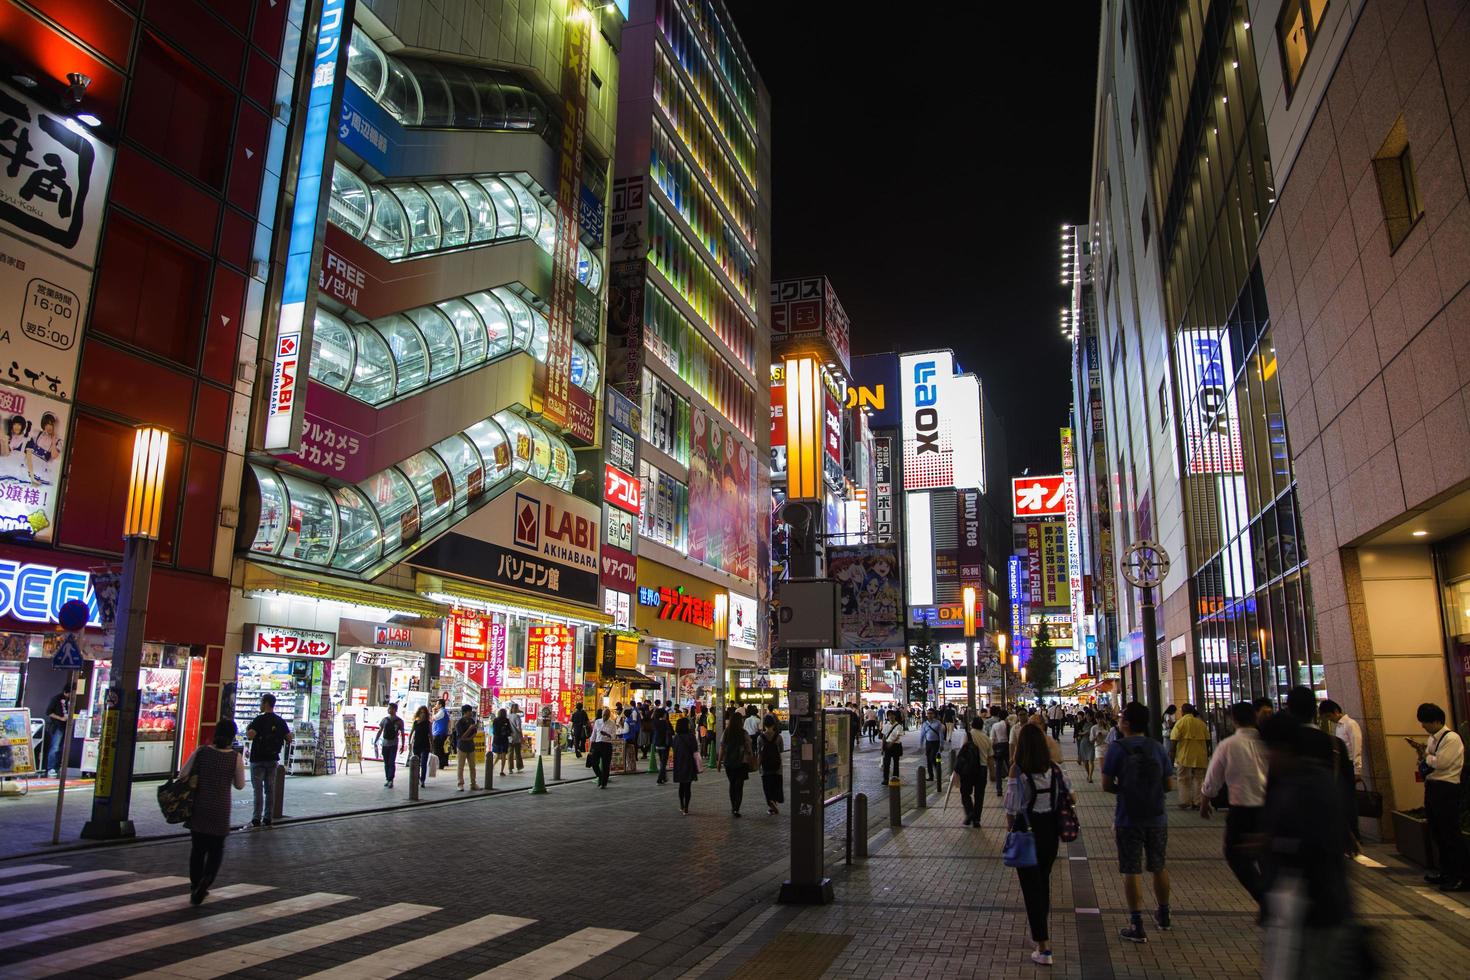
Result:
<point x="1002" y="766"/>
<point x="206" y="851"/>
<point x="1442" y="809"/>
<point x="891" y="759"/>
<point x="663" y="762"/>
<point x="736" y="775"/>
<point x="390" y="760"/>
<point x="423" y="764"/>
<point x="1056" y="729"/>
<point x="972" y="793"/>
<point x="601" y="753"/>
<point x="686" y="792"/>
<point x="579" y="738"/>
<point x="441" y="751"/>
<point x="931" y="762"/>
<point x="1036" y="882"/>
<point x="1240" y="823"/>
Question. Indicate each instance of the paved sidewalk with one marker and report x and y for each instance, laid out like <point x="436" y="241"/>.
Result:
<point x="935" y="901"/>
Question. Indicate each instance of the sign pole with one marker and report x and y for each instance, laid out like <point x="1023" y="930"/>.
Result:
<point x="1144" y="565"/>
<point x="71" y="721"/>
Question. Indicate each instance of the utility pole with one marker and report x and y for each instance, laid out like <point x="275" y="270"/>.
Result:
<point x="1144" y="565"/>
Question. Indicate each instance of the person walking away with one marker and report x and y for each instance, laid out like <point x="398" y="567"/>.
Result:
<point x="663" y="735"/>
<point x="268" y="734"/>
<point x="464" y="746"/>
<point x="55" y="730"/>
<point x="440" y="732"/>
<point x="1055" y="716"/>
<point x="645" y="729"/>
<point x="1138" y="770"/>
<point x="949" y="717"/>
<point x="1190" y="742"/>
<point x="735" y="758"/>
<point x="1441" y="760"/>
<point x="1265" y="708"/>
<point x="1000" y="738"/>
<point x="1035" y="790"/>
<point x="973" y="764"/>
<point x="517" y="738"/>
<point x="770" y="749"/>
<point x="1325" y="748"/>
<point x="686" y="768"/>
<point x="630" y="740"/>
<point x="1351" y="734"/>
<point x="580" y="725"/>
<point x="390" y="730"/>
<point x="502" y="733"/>
<point x="1086" y="747"/>
<point x="218" y="768"/>
<point x="1098" y="736"/>
<point x="892" y="747"/>
<point x="1239" y="766"/>
<point x="421" y="741"/>
<point x="752" y="723"/>
<point x="601" y="749"/>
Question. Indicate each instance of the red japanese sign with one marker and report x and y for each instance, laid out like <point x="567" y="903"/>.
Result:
<point x="621" y="489"/>
<point x="550" y="665"/>
<point x="1039" y="496"/>
<point x="285" y="642"/>
<point x="469" y="637"/>
<point x="681" y="607"/>
<point x="392" y="636"/>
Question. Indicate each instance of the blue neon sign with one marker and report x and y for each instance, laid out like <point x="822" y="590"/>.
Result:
<point x="35" y="593"/>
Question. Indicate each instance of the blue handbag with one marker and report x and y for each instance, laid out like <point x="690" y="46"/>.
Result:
<point x="1020" y="849"/>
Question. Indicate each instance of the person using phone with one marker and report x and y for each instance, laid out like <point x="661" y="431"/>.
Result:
<point x="1441" y="759"/>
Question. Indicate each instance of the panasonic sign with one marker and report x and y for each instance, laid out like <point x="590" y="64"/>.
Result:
<point x="928" y="448"/>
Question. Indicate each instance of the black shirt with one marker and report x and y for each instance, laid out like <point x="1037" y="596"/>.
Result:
<point x="56" y="707"/>
<point x="270" y="734"/>
<point x="464" y="732"/>
<point x="389" y="729"/>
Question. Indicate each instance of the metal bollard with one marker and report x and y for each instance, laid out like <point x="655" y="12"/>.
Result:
<point x="556" y="762"/>
<point x="923" y="802"/>
<point x="278" y="796"/>
<point x="413" y="778"/>
<point x="860" y="820"/>
<point x="953" y="753"/>
<point x="433" y="765"/>
<point x="895" y="813"/>
<point x="489" y="768"/>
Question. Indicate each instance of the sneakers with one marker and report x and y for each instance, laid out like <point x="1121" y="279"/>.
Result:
<point x="197" y="895"/>
<point x="1162" y="920"/>
<point x="1041" y="957"/>
<point x="266" y="822"/>
<point x="1134" y="934"/>
<point x="255" y="822"/>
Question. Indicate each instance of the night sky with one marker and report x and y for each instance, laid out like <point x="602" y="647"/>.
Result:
<point x="926" y="164"/>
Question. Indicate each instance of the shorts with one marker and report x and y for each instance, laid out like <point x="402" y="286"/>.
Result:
<point x="1136" y="842"/>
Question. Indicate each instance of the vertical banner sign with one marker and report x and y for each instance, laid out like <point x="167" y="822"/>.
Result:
<point x="291" y="353"/>
<point x="1074" y="539"/>
<point x="883" y="489"/>
<point x="576" y="67"/>
<point x="1013" y="571"/>
<point x="928" y="446"/>
<point x="971" y="550"/>
<point x="1033" y="563"/>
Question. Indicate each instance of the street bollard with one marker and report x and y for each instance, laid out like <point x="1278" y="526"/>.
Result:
<point x="556" y="762"/>
<point x="413" y="778"/>
<point x="433" y="765"/>
<point x="953" y="753"/>
<point x="860" y="819"/>
<point x="895" y="814"/>
<point x="489" y="768"/>
<point x="278" y="797"/>
<point x="923" y="802"/>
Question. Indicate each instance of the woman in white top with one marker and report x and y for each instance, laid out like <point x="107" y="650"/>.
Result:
<point x="601" y="749"/>
<point x="1035" y="792"/>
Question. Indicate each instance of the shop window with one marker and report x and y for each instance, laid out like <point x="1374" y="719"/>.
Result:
<point x="1398" y="190"/>
<point x="1296" y="31"/>
<point x="180" y="114"/>
<point x="151" y="292"/>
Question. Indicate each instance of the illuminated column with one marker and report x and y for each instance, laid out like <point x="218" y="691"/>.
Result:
<point x="969" y="595"/>
<point x="722" y="646"/>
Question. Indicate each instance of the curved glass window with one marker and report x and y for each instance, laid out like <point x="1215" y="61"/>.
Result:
<point x="468" y="328"/>
<point x="454" y="218"/>
<point x="540" y="336"/>
<point x="438" y="108"/>
<point x="360" y="539"/>
<point x="481" y="210"/>
<point x="401" y="94"/>
<point x="494" y="447"/>
<point x="492" y="102"/>
<point x="409" y="356"/>
<point x="520" y="317"/>
<point x="388" y="233"/>
<point x="275" y="510"/>
<point x="530" y="208"/>
<point x="560" y="471"/>
<point x="351" y="204"/>
<point x="546" y="237"/>
<point x="366" y="65"/>
<point x="373" y="377"/>
<point x="331" y="351"/>
<point x="431" y="484"/>
<point x="423" y="217"/>
<point x="393" y="499"/>
<point x="497" y="322"/>
<point x="462" y="95"/>
<point x="507" y="208"/>
<point x="463" y="460"/>
<point x="442" y="342"/>
<point x="540" y="453"/>
<point x="519" y="433"/>
<point x="585" y="373"/>
<point x="311" y="534"/>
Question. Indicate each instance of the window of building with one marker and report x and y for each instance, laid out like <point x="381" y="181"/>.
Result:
<point x="1163" y="406"/>
<point x="1133" y="122"/>
<point x="1296" y="31"/>
<point x="1398" y="191"/>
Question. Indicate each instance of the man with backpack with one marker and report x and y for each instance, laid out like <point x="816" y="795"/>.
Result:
<point x="1138" y="771"/>
<point x="972" y="765"/>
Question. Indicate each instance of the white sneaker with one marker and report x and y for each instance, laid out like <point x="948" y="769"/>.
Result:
<point x="1040" y="957"/>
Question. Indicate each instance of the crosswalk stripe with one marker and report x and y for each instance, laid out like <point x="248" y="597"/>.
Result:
<point x="114" y="915"/>
<point x="37" y="884"/>
<point x="82" y="957"/>
<point x="25" y="869"/>
<point x="416" y="952"/>
<point x="554" y="959"/>
<point x="92" y="895"/>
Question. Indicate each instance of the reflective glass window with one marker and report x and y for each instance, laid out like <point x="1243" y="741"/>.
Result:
<point x="366" y="64"/>
<point x="393" y="499"/>
<point x="331" y="351"/>
<point x="432" y="486"/>
<point x="518" y="114"/>
<point x="462" y="96"/>
<point x="540" y="453"/>
<point x="351" y="203"/>
<point x="559" y="468"/>
<point x="507" y="208"/>
<point x="388" y="235"/>
<point x="274" y="511"/>
<point x="361" y="539"/>
<point x="546" y="237"/>
<point x="468" y="328"/>
<point x="490" y="439"/>
<point x="438" y="110"/>
<point x="311" y="533"/>
<point x="454" y="218"/>
<point x="423" y="217"/>
<point x="439" y="334"/>
<point x="373" y="376"/>
<point x="463" y="460"/>
<point x="520" y="317"/>
<point x="492" y="103"/>
<point x="481" y="210"/>
<point x="529" y="207"/>
<point x="410" y="360"/>
<point x="540" y="336"/>
<point x="584" y="264"/>
<point x="519" y="434"/>
<point x="594" y="281"/>
<point x="497" y="322"/>
<point x="401" y="94"/>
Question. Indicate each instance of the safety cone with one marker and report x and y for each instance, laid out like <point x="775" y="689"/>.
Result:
<point x="540" y="785"/>
<point x="652" y="761"/>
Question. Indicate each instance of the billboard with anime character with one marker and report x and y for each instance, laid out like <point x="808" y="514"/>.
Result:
<point x="872" y="602"/>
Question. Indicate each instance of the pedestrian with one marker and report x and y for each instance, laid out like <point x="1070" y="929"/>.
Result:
<point x="502" y="734"/>
<point x="390" y="730"/>
<point x="1239" y="767"/>
<point x="1032" y="776"/>
<point x="517" y="738"/>
<point x="1189" y="743"/>
<point x="1351" y="735"/>
<point x="55" y="730"/>
<point x="769" y="749"/>
<point x="701" y="714"/>
<point x="949" y="717"/>
<point x="645" y="729"/>
<point x="1441" y="760"/>
<point x="663" y="735"/>
<point x="1000" y="738"/>
<point x="1171" y="714"/>
<point x="1054" y="717"/>
<point x="892" y="747"/>
<point x="580" y="726"/>
<point x="1138" y="770"/>
<point x="973" y="764"/>
<point x="440" y="732"/>
<point x="1097" y="734"/>
<point x="931" y="734"/>
<point x="629" y="735"/>
<point x="735" y="758"/>
<point x="686" y="764"/>
<point x="1265" y="707"/>
<point x="218" y="768"/>
<point x="268" y="734"/>
<point x="601" y="749"/>
<point x="752" y="723"/>
<point x="421" y="742"/>
<point x="464" y="746"/>
<point x="1086" y="747"/>
<point x="1329" y="751"/>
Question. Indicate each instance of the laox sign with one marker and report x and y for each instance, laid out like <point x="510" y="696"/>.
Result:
<point x="926" y="414"/>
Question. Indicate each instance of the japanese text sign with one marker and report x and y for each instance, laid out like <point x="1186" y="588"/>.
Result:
<point x="283" y="641"/>
<point x="1039" y="496"/>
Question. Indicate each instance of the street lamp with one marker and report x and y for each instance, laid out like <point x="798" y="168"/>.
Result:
<point x="969" y="597"/>
<point x="1000" y="643"/>
<point x="722" y="637"/>
<point x="112" y="792"/>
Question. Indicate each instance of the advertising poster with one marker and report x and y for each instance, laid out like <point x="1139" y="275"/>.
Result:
<point x="15" y="742"/>
<point x="1054" y="591"/>
<point x="1033" y="564"/>
<point x="872" y="611"/>
<point x="721" y="502"/>
<point x="549" y="665"/>
<point x="30" y="463"/>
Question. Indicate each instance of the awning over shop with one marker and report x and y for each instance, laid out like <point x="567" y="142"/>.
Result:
<point x="259" y="579"/>
<point x="635" y="679"/>
<point x="880" y="687"/>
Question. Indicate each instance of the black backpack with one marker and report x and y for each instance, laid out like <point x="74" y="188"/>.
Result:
<point x="1143" y="783"/>
<point x="967" y="760"/>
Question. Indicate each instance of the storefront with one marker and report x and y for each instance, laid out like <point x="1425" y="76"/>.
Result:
<point x="294" y="666"/>
<point x="675" y="618"/>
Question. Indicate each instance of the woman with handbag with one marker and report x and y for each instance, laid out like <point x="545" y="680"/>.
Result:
<point x="770" y="753"/>
<point x="687" y="761"/>
<point x="421" y="742"/>
<point x="734" y="758"/>
<point x="1037" y="796"/>
<point x="215" y="767"/>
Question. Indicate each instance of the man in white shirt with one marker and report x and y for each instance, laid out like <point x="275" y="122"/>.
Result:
<point x="1239" y="765"/>
<point x="1440" y="760"/>
<point x="1349" y="731"/>
<point x="1054" y="718"/>
<point x="1000" y="738"/>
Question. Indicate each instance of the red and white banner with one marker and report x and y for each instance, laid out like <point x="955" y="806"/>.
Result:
<point x="621" y="489"/>
<point x="1039" y="496"/>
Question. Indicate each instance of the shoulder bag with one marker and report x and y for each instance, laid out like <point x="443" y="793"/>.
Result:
<point x="176" y="798"/>
<point x="1067" y="825"/>
<point x="1020" y="848"/>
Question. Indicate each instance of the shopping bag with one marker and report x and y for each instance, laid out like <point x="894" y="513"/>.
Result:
<point x="1370" y="802"/>
<point x="176" y="798"/>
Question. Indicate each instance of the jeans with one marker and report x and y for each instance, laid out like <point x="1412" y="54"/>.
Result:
<point x="515" y="754"/>
<point x="1241" y="822"/>
<point x="1442" y="809"/>
<point x="423" y="763"/>
<point x="1036" y="882"/>
<point x="1002" y="766"/>
<point x="390" y="760"/>
<point x="601" y="753"/>
<point x="263" y="782"/>
<point x="931" y="761"/>
<point x="466" y="757"/>
<point x="53" y="748"/>
<point x="736" y="775"/>
<point x="663" y="763"/>
<point x="206" y="851"/>
<point x="972" y="793"/>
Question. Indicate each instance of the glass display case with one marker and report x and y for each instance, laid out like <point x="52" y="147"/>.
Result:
<point x="160" y="688"/>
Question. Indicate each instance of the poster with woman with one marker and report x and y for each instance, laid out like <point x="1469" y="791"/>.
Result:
<point x="30" y="463"/>
<point x="872" y="603"/>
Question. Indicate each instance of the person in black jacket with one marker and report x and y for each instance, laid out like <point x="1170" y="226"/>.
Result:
<point x="734" y="758"/>
<point x="686" y="769"/>
<point x="769" y="749"/>
<point x="580" y="726"/>
<point x="421" y="741"/>
<point x="663" y="734"/>
<point x="1329" y="750"/>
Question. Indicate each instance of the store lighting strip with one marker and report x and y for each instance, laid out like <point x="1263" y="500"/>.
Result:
<point x="484" y="605"/>
<point x="370" y="612"/>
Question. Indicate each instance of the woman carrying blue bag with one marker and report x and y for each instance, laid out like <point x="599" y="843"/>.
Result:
<point x="1038" y="801"/>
